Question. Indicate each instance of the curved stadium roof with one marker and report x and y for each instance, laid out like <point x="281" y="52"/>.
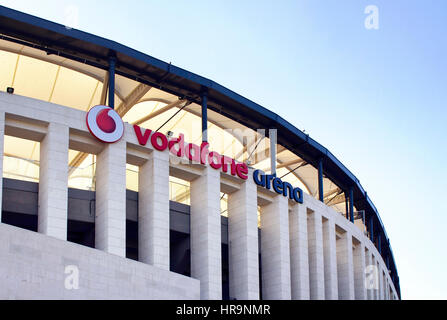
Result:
<point x="149" y="91"/>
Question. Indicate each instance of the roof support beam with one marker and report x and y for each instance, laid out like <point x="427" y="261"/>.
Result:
<point x="204" y="115"/>
<point x="290" y="163"/>
<point x="248" y="145"/>
<point x="296" y="174"/>
<point x="337" y="199"/>
<point x="132" y="99"/>
<point x="320" y="180"/>
<point x="272" y="137"/>
<point x="266" y="154"/>
<point x="329" y="193"/>
<point x="347" y="205"/>
<point x="105" y="86"/>
<point x="160" y="111"/>
<point x="112" y="63"/>
<point x="76" y="161"/>
<point x="240" y="153"/>
<point x="351" y="204"/>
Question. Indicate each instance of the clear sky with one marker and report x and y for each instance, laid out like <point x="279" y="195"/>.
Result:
<point x="375" y="98"/>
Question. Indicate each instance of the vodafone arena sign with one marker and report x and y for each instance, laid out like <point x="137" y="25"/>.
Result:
<point x="107" y="126"/>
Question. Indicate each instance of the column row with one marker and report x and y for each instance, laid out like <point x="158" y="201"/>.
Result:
<point x="304" y="256"/>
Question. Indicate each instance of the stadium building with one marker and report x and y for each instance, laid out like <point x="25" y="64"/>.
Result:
<point x="125" y="177"/>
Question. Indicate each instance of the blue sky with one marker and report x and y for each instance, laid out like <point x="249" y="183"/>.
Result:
<point x="375" y="98"/>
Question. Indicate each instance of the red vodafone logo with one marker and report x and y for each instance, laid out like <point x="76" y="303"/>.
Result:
<point x="105" y="124"/>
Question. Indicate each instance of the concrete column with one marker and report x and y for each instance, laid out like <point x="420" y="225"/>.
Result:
<point x="316" y="255"/>
<point x="53" y="182"/>
<point x="2" y="142"/>
<point x="359" y="272"/>
<point x="370" y="276"/>
<point x="275" y="250"/>
<point x="243" y="242"/>
<point x="299" y="255"/>
<point x="153" y="210"/>
<point x="330" y="260"/>
<point x="206" y="234"/>
<point x="110" y="218"/>
<point x="345" y="268"/>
